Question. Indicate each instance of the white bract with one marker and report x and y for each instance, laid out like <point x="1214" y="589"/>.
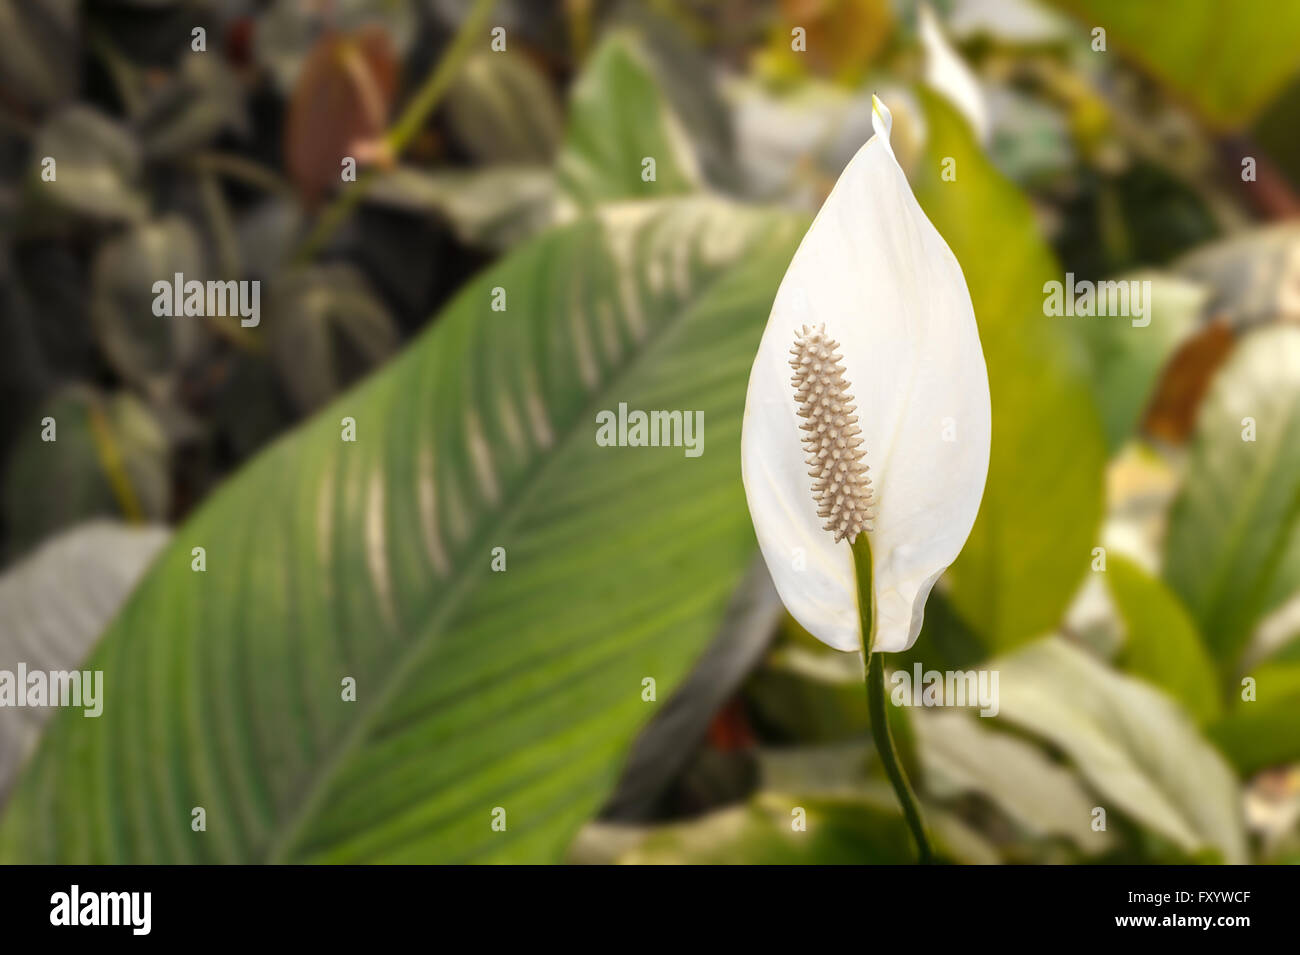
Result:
<point x="874" y="277"/>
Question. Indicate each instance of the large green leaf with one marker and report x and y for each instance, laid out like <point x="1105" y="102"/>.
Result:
<point x="1042" y="504"/>
<point x="373" y="560"/>
<point x="1233" y="527"/>
<point x="1137" y="749"/>
<point x="1226" y="59"/>
<point x="618" y="118"/>
<point x="1162" y="644"/>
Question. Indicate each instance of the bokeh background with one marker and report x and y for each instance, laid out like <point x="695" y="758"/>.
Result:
<point x="502" y="268"/>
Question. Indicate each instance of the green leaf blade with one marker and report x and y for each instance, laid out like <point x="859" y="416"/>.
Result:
<point x="1227" y="60"/>
<point x="1163" y="646"/>
<point x="1234" y="525"/>
<point x="329" y="559"/>
<point x="1140" y="752"/>
<point x="620" y="117"/>
<point x="1042" y="503"/>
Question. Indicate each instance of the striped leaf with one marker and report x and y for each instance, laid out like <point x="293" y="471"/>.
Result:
<point x="1234" y="529"/>
<point x="476" y="690"/>
<point x="1142" y="753"/>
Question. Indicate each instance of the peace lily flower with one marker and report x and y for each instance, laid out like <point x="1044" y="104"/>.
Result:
<point x="867" y="418"/>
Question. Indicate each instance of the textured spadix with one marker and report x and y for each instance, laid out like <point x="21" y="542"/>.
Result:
<point x="831" y="435"/>
<point x="876" y="276"/>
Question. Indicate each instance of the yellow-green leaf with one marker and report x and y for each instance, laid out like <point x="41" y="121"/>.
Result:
<point x="1226" y="59"/>
<point x="1162" y="644"/>
<point x="1031" y="542"/>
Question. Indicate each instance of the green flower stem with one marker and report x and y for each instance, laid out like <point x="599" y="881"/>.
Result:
<point x="472" y="30"/>
<point x="876" y="703"/>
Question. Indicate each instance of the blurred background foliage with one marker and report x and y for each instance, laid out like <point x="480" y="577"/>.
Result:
<point x="1121" y="670"/>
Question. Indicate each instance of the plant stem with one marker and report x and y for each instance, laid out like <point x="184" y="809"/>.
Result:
<point x="439" y="81"/>
<point x="400" y="133"/>
<point x="889" y="756"/>
<point x="876" y="703"/>
<point x="242" y="169"/>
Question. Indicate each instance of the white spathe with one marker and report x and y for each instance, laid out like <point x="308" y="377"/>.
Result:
<point x="877" y="274"/>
